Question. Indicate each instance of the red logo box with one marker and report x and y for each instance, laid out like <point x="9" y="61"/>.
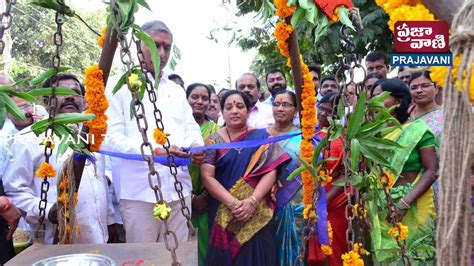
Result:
<point x="421" y="37"/>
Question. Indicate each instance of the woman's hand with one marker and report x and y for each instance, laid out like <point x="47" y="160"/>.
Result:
<point x="11" y="215"/>
<point x="245" y="211"/>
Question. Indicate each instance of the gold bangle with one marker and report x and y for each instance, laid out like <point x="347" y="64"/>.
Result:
<point x="253" y="200"/>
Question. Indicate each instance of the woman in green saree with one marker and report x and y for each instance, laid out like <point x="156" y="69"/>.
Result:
<point x="416" y="165"/>
<point x="198" y="96"/>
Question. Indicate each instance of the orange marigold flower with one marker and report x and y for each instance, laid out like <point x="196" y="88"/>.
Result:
<point x="387" y="179"/>
<point x="335" y="16"/>
<point x="64" y="183"/>
<point x="327" y="250"/>
<point x="283" y="31"/>
<point x="324" y="178"/>
<point x="399" y="232"/>
<point x="330" y="232"/>
<point x="46" y="170"/>
<point x="359" y="211"/>
<point x="282" y="8"/>
<point x="63" y="198"/>
<point x="352" y="258"/>
<point x="283" y="48"/>
<point x="159" y="136"/>
<point x="308" y="212"/>
<point x="359" y="249"/>
<point x="101" y="39"/>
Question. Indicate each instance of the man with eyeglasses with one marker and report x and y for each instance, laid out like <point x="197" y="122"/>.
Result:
<point x="377" y="62"/>
<point x="261" y="115"/>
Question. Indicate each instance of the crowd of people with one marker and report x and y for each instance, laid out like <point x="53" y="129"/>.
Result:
<point x="245" y="209"/>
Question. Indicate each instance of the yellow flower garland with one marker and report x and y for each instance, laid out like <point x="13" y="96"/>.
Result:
<point x="97" y="104"/>
<point x="399" y="232"/>
<point x="308" y="102"/>
<point x="46" y="170"/>
<point x="159" y="136"/>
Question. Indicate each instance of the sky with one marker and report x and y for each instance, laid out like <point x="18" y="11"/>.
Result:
<point x="202" y="60"/>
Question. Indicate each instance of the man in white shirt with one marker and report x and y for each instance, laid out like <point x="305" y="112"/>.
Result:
<point x="93" y="211"/>
<point x="136" y="198"/>
<point x="261" y="115"/>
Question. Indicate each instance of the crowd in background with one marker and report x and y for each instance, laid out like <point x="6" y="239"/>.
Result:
<point x="246" y="210"/>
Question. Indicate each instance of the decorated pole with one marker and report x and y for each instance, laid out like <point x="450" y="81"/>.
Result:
<point x="294" y="50"/>
<point x="105" y="64"/>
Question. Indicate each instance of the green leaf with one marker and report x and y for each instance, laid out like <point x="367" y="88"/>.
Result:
<point x="40" y="126"/>
<point x="355" y="155"/>
<point x="311" y="13"/>
<point x="307" y="167"/>
<point x="63" y="134"/>
<point x="298" y="16"/>
<point x="305" y="4"/>
<point x="295" y="173"/>
<point x="61" y="119"/>
<point x="3" y="113"/>
<point x="372" y="154"/>
<point x="12" y="108"/>
<point x="379" y="99"/>
<point x="329" y="159"/>
<point x="318" y="149"/>
<point x="155" y="55"/>
<point x="336" y="133"/>
<point x="72" y="118"/>
<point x="379" y="143"/>
<point x="59" y="91"/>
<point x="47" y="74"/>
<point x="120" y="83"/>
<point x="23" y="95"/>
<point x="340" y="182"/>
<point x="144" y="4"/>
<point x="357" y="117"/>
<point x="344" y="17"/>
<point x="322" y="26"/>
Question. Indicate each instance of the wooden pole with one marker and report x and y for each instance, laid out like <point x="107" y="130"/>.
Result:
<point x="294" y="50"/>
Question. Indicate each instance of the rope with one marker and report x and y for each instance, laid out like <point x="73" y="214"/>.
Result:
<point x="454" y="216"/>
<point x="67" y="235"/>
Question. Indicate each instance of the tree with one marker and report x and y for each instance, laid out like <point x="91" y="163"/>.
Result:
<point x="325" y="51"/>
<point x="32" y="33"/>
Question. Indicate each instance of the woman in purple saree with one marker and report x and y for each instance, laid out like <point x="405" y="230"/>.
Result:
<point x="239" y="182"/>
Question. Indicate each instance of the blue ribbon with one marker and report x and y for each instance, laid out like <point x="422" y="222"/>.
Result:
<point x="245" y="143"/>
<point x="185" y="161"/>
<point x="83" y="157"/>
<point x="138" y="157"/>
<point x="322" y="212"/>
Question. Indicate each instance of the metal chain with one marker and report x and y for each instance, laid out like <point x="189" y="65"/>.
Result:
<point x="391" y="209"/>
<point x="171" y="241"/>
<point x="7" y="16"/>
<point x="159" y="124"/>
<point x="309" y="229"/>
<point x="49" y="133"/>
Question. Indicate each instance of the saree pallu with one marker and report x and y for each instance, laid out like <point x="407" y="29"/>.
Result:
<point x="233" y="242"/>
<point x="420" y="244"/>
<point x="289" y="220"/>
<point x="201" y="222"/>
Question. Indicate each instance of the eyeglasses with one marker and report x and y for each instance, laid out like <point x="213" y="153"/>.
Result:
<point x="423" y="86"/>
<point x="284" y="104"/>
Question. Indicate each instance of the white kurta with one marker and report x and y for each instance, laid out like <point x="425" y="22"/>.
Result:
<point x="93" y="210"/>
<point x="130" y="177"/>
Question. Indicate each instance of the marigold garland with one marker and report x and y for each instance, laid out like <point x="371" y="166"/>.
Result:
<point x="387" y="179"/>
<point x="399" y="232"/>
<point x="45" y="170"/>
<point x="327" y="250"/>
<point x="159" y="136"/>
<point x="439" y="74"/>
<point x="101" y="39"/>
<point x="282" y="8"/>
<point x="390" y="5"/>
<point x="97" y="105"/>
<point x="352" y="258"/>
<point x="308" y="103"/>
<point x="359" y="211"/>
